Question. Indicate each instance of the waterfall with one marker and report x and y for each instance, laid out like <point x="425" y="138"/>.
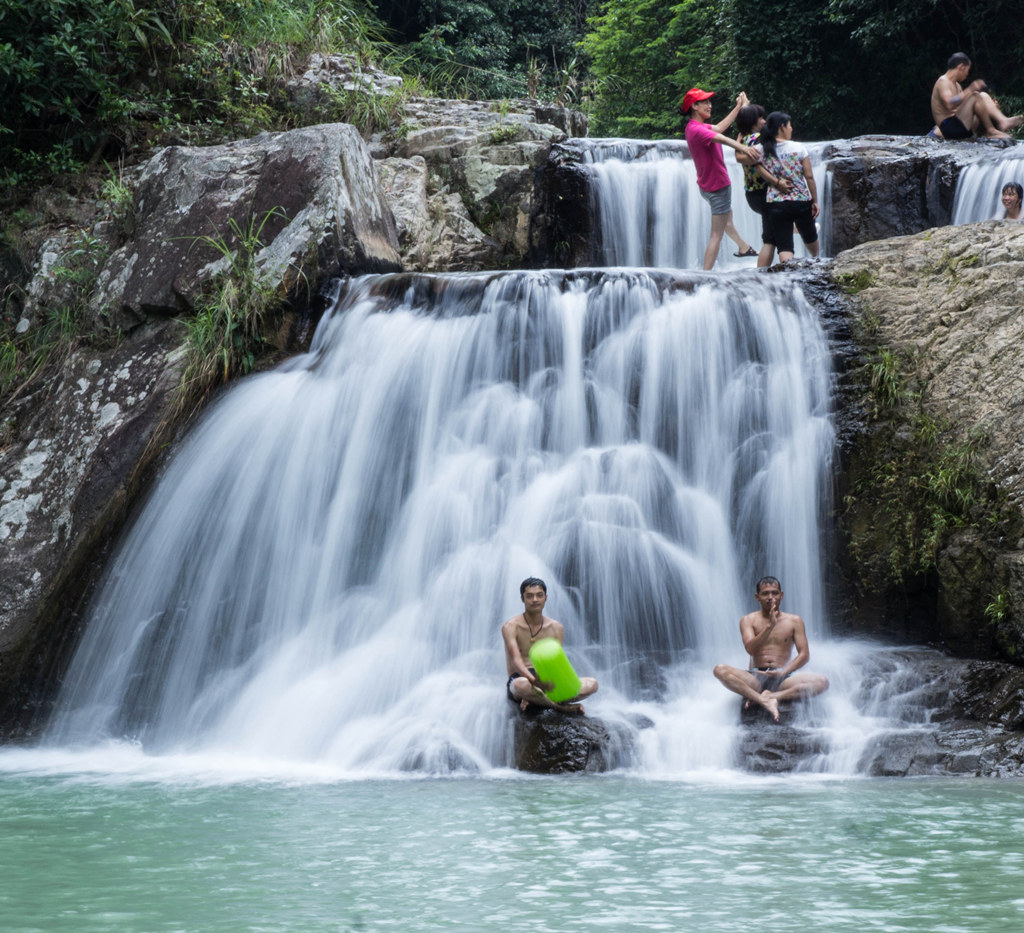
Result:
<point x="321" y="572"/>
<point x="649" y="211"/>
<point x="981" y="183"/>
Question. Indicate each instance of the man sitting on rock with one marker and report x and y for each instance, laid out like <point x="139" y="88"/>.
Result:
<point x="770" y="637"/>
<point x="961" y="114"/>
<point x="519" y="633"/>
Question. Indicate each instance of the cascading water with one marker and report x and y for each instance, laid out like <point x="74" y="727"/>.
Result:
<point x="649" y="210"/>
<point x="321" y="573"/>
<point x="980" y="184"/>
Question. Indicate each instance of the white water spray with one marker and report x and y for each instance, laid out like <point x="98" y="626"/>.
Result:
<point x="981" y="183"/>
<point x="649" y="211"/>
<point x="321" y="573"/>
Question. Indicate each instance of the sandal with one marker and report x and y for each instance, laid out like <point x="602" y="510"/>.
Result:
<point x="750" y="252"/>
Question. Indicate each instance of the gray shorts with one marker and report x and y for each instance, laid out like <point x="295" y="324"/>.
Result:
<point x="720" y="200"/>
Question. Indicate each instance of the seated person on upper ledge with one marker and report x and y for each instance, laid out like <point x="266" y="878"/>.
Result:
<point x="769" y="637"/>
<point x="962" y="114"/>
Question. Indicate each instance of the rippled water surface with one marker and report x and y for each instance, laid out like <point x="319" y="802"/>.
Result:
<point x="616" y="853"/>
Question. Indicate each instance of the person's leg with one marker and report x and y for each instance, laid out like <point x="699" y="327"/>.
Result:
<point x="734" y="235"/>
<point x="804" y="221"/>
<point x="800" y="686"/>
<point x="748" y="686"/>
<point x="996" y="122"/>
<point x="524" y="691"/>
<point x="980" y="114"/>
<point x="718" y="225"/>
<point x="765" y="257"/>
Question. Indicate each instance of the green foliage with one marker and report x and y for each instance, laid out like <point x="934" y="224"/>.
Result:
<point x="645" y="55"/>
<point x="84" y="77"/>
<point x="364" y="109"/>
<point x="501" y="48"/>
<point x="65" y="321"/>
<point x="916" y="481"/>
<point x="886" y="382"/>
<point x="225" y="334"/>
<point x="998" y="609"/>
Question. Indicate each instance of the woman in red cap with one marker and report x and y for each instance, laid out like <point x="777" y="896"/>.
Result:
<point x="705" y="141"/>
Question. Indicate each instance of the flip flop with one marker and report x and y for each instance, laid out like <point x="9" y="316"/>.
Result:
<point x="750" y="252"/>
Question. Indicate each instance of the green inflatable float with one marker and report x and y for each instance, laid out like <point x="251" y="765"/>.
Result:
<point x="552" y="666"/>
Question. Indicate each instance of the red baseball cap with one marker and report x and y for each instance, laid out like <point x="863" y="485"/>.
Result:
<point x="692" y="96"/>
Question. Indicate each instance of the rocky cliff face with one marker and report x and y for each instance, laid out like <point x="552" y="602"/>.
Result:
<point x="933" y="523"/>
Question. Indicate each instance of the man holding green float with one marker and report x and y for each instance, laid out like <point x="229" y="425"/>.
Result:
<point x="520" y="633"/>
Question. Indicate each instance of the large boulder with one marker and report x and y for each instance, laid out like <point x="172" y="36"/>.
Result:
<point x="304" y="206"/>
<point x="887" y="186"/>
<point x="461" y="178"/>
<point x="71" y="463"/>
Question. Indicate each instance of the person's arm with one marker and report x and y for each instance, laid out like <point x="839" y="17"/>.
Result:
<point x="952" y="97"/>
<point x="803" y="652"/>
<point x="811" y="185"/>
<point x="748" y="151"/>
<point x="776" y="181"/>
<point x="508" y="634"/>
<point x="753" y="641"/>
<point x="727" y="121"/>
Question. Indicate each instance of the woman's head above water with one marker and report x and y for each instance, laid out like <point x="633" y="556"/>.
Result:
<point x="1011" y="197"/>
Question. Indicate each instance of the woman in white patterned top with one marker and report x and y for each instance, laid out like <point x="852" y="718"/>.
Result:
<point x="791" y="161"/>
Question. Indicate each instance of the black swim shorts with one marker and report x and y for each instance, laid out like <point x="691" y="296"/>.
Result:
<point x="768" y="679"/>
<point x="953" y="128"/>
<point x="781" y="217"/>
<point x="508" y="685"/>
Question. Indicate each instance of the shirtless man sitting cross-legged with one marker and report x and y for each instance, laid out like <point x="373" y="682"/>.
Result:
<point x="524" y="687"/>
<point x="770" y="637"/>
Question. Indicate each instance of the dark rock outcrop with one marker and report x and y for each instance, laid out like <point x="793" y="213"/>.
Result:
<point x="946" y="717"/>
<point x="68" y="476"/>
<point x="305" y="203"/>
<point x="553" y="743"/>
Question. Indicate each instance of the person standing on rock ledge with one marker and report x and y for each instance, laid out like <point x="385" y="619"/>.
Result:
<point x="770" y="637"/>
<point x="519" y="633"/>
<point x="705" y="140"/>
<point x="961" y="113"/>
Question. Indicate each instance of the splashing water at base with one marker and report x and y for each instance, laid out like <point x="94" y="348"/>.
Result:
<point x="320" y="575"/>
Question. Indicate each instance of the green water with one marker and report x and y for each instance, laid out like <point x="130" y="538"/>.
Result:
<point x="90" y="854"/>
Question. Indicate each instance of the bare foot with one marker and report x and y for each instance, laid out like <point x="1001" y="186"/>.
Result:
<point x="524" y="704"/>
<point x="1013" y="122"/>
<point x="570" y="709"/>
<point x="772" y="705"/>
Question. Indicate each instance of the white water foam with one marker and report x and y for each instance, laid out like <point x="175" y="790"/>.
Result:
<point x="320" y="575"/>
<point x="650" y="212"/>
<point x="980" y="185"/>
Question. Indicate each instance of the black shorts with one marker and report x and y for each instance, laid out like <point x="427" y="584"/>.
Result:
<point x="508" y="685"/>
<point x="953" y="128"/>
<point x="768" y="679"/>
<point x="757" y="202"/>
<point x="781" y="217"/>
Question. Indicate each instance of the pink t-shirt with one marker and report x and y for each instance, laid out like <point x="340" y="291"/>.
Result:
<point x="706" y="155"/>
